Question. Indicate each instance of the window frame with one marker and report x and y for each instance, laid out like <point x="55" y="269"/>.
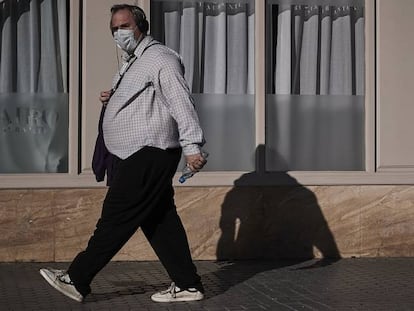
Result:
<point x="80" y="174"/>
<point x="72" y="177"/>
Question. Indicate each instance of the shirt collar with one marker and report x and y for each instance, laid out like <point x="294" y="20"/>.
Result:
<point x="143" y="44"/>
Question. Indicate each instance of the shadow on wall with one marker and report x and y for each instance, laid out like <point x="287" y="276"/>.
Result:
<point x="273" y="222"/>
<point x="279" y="225"/>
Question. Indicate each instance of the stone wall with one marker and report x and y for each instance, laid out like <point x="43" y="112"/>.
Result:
<point x="223" y="222"/>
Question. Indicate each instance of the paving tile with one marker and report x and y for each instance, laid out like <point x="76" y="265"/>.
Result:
<point x="349" y="284"/>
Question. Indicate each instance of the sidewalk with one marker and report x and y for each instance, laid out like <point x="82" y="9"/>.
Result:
<point x="348" y="284"/>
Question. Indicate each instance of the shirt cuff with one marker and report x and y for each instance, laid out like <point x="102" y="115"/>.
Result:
<point x="191" y="149"/>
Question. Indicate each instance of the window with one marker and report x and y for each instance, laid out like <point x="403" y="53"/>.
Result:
<point x="33" y="86"/>
<point x="315" y="84"/>
<point x="216" y="42"/>
<point x="346" y="137"/>
<point x="315" y="80"/>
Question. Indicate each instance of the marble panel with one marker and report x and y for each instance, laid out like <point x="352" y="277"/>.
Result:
<point x="295" y="224"/>
<point x="388" y="221"/>
<point x="28" y="233"/>
<point x="242" y="233"/>
<point x="340" y="206"/>
<point x="8" y="203"/>
<point x="200" y="211"/>
<point x="222" y="222"/>
<point x="136" y="249"/>
<point x="76" y="214"/>
<point x="35" y="219"/>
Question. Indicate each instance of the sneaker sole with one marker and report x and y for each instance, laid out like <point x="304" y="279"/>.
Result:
<point x="178" y="299"/>
<point x="52" y="283"/>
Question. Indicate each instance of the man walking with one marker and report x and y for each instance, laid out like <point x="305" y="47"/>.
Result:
<point x="149" y="120"/>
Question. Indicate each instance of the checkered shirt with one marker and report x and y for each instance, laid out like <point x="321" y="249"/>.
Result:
<point x="151" y="105"/>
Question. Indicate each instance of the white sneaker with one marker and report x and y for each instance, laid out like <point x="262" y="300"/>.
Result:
<point x="174" y="293"/>
<point x="60" y="280"/>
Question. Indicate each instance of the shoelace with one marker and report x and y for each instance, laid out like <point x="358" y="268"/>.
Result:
<point x="64" y="277"/>
<point x="171" y="290"/>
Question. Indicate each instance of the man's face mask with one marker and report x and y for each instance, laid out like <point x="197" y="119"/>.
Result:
<point x="125" y="39"/>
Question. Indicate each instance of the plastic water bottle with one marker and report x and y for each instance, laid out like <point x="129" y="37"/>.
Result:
<point x="187" y="172"/>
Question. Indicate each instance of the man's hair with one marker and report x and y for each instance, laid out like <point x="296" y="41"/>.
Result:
<point x="137" y="13"/>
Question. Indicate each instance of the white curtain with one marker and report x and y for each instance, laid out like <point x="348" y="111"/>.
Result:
<point x="316" y="49"/>
<point x="216" y="42"/>
<point x="315" y="86"/>
<point x="33" y="86"/>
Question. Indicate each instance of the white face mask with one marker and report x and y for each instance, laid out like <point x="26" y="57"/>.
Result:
<point x="125" y="39"/>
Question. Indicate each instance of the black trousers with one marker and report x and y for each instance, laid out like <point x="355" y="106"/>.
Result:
<point x="141" y="195"/>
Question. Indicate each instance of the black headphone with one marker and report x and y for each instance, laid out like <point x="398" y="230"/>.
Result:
<point x="140" y="18"/>
<point x="138" y="14"/>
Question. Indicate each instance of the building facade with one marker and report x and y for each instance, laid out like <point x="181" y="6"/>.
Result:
<point x="298" y="167"/>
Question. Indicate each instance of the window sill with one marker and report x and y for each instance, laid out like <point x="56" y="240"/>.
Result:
<point x="218" y="179"/>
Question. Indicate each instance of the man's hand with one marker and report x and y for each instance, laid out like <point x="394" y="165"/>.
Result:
<point x="105" y="96"/>
<point x="195" y="161"/>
